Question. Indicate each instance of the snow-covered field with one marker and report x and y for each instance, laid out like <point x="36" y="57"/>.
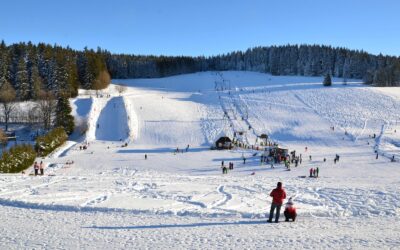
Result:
<point x="112" y="197"/>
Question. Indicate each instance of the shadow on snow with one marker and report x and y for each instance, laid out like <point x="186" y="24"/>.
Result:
<point x="161" y="150"/>
<point x="205" y="224"/>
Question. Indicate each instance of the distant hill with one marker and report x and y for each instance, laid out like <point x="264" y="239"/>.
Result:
<point x="32" y="68"/>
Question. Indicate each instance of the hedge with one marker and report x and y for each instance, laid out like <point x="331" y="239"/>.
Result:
<point x="16" y="159"/>
<point x="49" y="142"/>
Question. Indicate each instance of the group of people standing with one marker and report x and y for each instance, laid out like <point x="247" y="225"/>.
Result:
<point x="314" y="172"/>
<point x="38" y="167"/>
<point x="224" y="168"/>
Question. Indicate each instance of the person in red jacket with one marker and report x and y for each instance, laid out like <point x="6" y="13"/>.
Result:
<point x="290" y="211"/>
<point x="278" y="195"/>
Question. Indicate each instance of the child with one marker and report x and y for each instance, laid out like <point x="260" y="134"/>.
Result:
<point x="290" y="211"/>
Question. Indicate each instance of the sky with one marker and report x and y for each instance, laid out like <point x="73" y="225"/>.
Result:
<point x="202" y="27"/>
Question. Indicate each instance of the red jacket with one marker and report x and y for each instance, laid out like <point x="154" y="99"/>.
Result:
<point x="278" y="195"/>
<point x="291" y="211"/>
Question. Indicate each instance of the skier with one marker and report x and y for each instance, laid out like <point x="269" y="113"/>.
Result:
<point x="317" y="170"/>
<point x="311" y="172"/>
<point x="278" y="195"/>
<point x="376" y="156"/>
<point x="41" y="167"/>
<point x="187" y="148"/>
<point x="315" y="173"/>
<point x="290" y="211"/>
<point x="310" y="158"/>
<point x="244" y="160"/>
<point x="145" y="156"/>
<point x="36" y="168"/>
<point x="224" y="170"/>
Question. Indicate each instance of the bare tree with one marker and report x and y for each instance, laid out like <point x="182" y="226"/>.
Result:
<point x="7" y="100"/>
<point x="102" y="82"/>
<point x="47" y="106"/>
<point x="121" y="88"/>
<point x="33" y="115"/>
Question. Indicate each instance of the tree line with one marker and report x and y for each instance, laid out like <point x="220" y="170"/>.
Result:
<point x="33" y="69"/>
<point x="48" y="76"/>
<point x="302" y="60"/>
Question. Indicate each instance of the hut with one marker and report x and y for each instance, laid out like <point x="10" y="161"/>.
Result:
<point x="223" y="142"/>
<point x="262" y="139"/>
<point x="263" y="136"/>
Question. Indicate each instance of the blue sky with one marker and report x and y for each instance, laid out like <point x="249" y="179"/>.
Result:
<point x="202" y="27"/>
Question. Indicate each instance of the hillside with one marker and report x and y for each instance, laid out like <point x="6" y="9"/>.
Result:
<point x="33" y="69"/>
<point x="111" y="195"/>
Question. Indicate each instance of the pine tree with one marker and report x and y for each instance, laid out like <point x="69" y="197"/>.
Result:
<point x="36" y="83"/>
<point x="63" y="115"/>
<point x="73" y="79"/>
<point x="327" y="80"/>
<point x="22" y="80"/>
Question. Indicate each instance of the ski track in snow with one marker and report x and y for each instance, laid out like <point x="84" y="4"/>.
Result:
<point x="226" y="197"/>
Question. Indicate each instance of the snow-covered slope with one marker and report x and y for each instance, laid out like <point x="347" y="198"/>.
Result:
<point x="112" y="123"/>
<point x="112" y="191"/>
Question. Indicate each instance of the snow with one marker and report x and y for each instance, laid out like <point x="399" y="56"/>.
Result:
<point x="111" y="196"/>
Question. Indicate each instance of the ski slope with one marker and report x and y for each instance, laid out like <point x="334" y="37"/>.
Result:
<point x="111" y="124"/>
<point x="111" y="196"/>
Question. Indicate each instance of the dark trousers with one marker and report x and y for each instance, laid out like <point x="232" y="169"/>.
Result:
<point x="41" y="171"/>
<point x="278" y="211"/>
<point x="36" y="171"/>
